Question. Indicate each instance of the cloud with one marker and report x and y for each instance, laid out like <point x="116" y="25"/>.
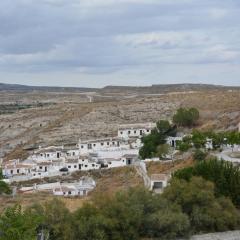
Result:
<point x="117" y="37"/>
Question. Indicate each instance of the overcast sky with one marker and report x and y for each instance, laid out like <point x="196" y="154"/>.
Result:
<point x="119" y="42"/>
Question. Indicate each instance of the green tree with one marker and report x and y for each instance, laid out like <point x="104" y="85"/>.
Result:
<point x="4" y="187"/>
<point x="57" y="217"/>
<point x="206" y="212"/>
<point x="90" y="224"/>
<point x="16" y="224"/>
<point x="185" y="117"/>
<point x="199" y="155"/>
<point x="163" y="150"/>
<point x="224" y="175"/>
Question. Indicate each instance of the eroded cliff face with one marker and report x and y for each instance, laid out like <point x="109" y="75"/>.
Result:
<point x="71" y="116"/>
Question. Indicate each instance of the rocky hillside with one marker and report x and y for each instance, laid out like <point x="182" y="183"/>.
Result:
<point x="66" y="117"/>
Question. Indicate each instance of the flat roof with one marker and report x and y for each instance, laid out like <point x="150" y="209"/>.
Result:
<point x="159" y="177"/>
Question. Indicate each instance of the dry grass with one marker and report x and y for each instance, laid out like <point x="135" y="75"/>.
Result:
<point x="161" y="167"/>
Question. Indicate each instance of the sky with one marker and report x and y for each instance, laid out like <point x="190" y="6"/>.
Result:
<point x="94" y="43"/>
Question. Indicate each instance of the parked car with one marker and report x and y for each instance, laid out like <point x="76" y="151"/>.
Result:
<point x="64" y="169"/>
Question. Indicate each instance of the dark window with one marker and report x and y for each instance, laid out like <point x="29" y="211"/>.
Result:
<point x="69" y="192"/>
<point x="135" y="131"/>
<point x="86" y="165"/>
<point x="102" y="144"/>
<point x="17" y="170"/>
<point x="113" y="143"/>
<point x="89" y="146"/>
<point x="107" y="143"/>
<point x="40" y="167"/>
<point x="75" y="166"/>
<point x="129" y="132"/>
<point x="121" y="133"/>
<point x="82" y="146"/>
<point x="69" y="166"/>
<point x="93" y="165"/>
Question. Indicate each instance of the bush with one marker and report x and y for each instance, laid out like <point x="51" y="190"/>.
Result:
<point x="206" y="212"/>
<point x="224" y="175"/>
<point x="199" y="155"/>
<point x="186" y="117"/>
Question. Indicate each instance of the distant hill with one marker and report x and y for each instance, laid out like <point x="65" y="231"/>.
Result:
<point x="24" y="88"/>
<point x="154" y="89"/>
<point x="158" y="89"/>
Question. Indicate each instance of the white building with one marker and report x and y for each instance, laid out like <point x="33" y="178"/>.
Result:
<point x="158" y="182"/>
<point x="172" y="141"/>
<point x="129" y="159"/>
<point x="90" y="146"/>
<point x="82" y="188"/>
<point x="14" y="167"/>
<point x="135" y="130"/>
<point x="48" y="154"/>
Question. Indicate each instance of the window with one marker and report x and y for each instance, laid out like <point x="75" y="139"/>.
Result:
<point x="73" y="153"/>
<point x="47" y="155"/>
<point x="69" y="192"/>
<point x="113" y="143"/>
<point x="86" y="165"/>
<point x="129" y="132"/>
<point x="93" y="165"/>
<point x="17" y="170"/>
<point x="148" y="130"/>
<point x="94" y="145"/>
<point x="90" y="146"/>
<point x="102" y="143"/>
<point x="135" y="131"/>
<point x="82" y="146"/>
<point x="75" y="166"/>
<point x="69" y="166"/>
<point x="41" y="154"/>
<point x="40" y="167"/>
<point x="108" y="143"/>
<point x="121" y="133"/>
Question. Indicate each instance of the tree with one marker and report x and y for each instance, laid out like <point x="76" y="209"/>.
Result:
<point x="224" y="175"/>
<point x="186" y="117"/>
<point x="57" y="217"/>
<point x="4" y="187"/>
<point x="199" y="155"/>
<point x="16" y="224"/>
<point x="163" y="150"/>
<point x="198" y="139"/>
<point x="157" y="137"/>
<point x="206" y="212"/>
<point x="89" y="223"/>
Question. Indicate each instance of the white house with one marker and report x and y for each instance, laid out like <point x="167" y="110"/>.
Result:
<point x="90" y="146"/>
<point x="85" y="185"/>
<point x="86" y="165"/>
<point x="48" y="154"/>
<point x="129" y="159"/>
<point x="172" y="141"/>
<point x="14" y="167"/>
<point x="112" y="162"/>
<point x="135" y="130"/>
